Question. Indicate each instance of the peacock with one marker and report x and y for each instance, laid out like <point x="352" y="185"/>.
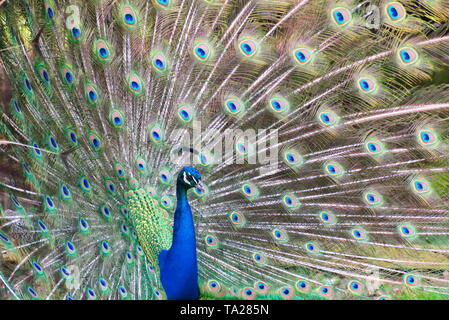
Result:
<point x="225" y="149"/>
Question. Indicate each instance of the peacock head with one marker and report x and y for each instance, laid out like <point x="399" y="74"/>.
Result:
<point x="191" y="178"/>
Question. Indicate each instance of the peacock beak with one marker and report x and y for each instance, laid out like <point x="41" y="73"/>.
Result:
<point x="200" y="186"/>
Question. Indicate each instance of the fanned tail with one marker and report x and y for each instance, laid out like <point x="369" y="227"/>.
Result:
<point x="319" y="128"/>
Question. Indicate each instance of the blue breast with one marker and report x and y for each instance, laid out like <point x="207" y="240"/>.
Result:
<point x="178" y="265"/>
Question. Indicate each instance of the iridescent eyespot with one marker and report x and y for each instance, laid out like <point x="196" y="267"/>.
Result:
<point x="91" y="94"/>
<point x="205" y="159"/>
<point x="326" y="291"/>
<point x="151" y="269"/>
<point x="64" y="192"/>
<point x="71" y="136"/>
<point x="124" y="230"/>
<point x="292" y="158"/>
<point x="151" y="191"/>
<point x="366" y="85"/>
<point x="51" y="142"/>
<point x="105" y="211"/>
<point x="41" y="225"/>
<point x="249" y="294"/>
<point x="278" y="105"/>
<point x="119" y="170"/>
<point x="15" y="106"/>
<point x="250" y="191"/>
<point x="233" y="106"/>
<point x="311" y="247"/>
<point x="407" y="56"/>
<point x="237" y="219"/>
<point x="103" y="50"/>
<point x="166" y="202"/>
<point x="159" y="62"/>
<point x="374" y="147"/>
<point x="201" y="193"/>
<point x="50" y="14"/>
<point x="427" y="138"/>
<point x="286" y="293"/>
<point x="290" y="202"/>
<point x="259" y="258"/>
<point x="32" y="293"/>
<point x="372" y="198"/>
<point x="327" y="218"/>
<point x="420" y="186"/>
<point x="261" y="287"/>
<point x="412" y="280"/>
<point x="279" y="235"/>
<point x="359" y="234"/>
<point x="36" y="151"/>
<point x="103" y="285"/>
<point x="91" y="294"/>
<point x="211" y="241"/>
<point x="37" y="268"/>
<point x="83" y="225"/>
<point x="110" y="186"/>
<point x="141" y="164"/>
<point x="67" y="75"/>
<point x="327" y="118"/>
<point x="105" y="248"/>
<point x="27" y="84"/>
<point x="156" y="133"/>
<point x="248" y="47"/>
<point x="213" y="285"/>
<point x="129" y="16"/>
<point x="26" y="170"/>
<point x="395" y="11"/>
<point x="135" y="83"/>
<point x="49" y="204"/>
<point x="333" y="169"/>
<point x="185" y="114"/>
<point x="407" y="231"/>
<point x="43" y="73"/>
<point x="302" y="286"/>
<point x="95" y="141"/>
<point x="117" y="118"/>
<point x="76" y="32"/>
<point x="234" y="291"/>
<point x="163" y="3"/>
<point x="165" y="176"/>
<point x="242" y="148"/>
<point x="355" y="287"/>
<point x="85" y="185"/>
<point x="15" y="202"/>
<point x="70" y="249"/>
<point x="129" y="258"/>
<point x="124" y="211"/>
<point x="302" y="55"/>
<point x="139" y="251"/>
<point x="202" y="51"/>
<point x="65" y="272"/>
<point x="133" y="183"/>
<point x="341" y="16"/>
<point x="384" y="297"/>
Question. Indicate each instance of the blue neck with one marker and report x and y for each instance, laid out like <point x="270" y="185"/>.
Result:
<point x="179" y="269"/>
<point x="184" y="230"/>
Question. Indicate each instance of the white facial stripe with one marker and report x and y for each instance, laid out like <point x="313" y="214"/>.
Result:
<point x="196" y="182"/>
<point x="184" y="176"/>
